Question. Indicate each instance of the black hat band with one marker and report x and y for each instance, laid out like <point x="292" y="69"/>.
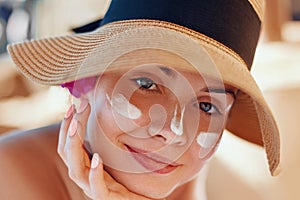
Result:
<point x="233" y="23"/>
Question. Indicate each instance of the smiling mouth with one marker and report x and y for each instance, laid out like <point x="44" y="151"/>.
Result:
<point x="152" y="161"/>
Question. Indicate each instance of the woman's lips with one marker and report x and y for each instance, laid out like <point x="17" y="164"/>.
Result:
<point x="152" y="161"/>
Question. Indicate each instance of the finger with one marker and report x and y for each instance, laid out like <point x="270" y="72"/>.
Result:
<point x="82" y="116"/>
<point x="98" y="186"/>
<point x="77" y="157"/>
<point x="77" y="127"/>
<point x="75" y="153"/>
<point x="63" y="132"/>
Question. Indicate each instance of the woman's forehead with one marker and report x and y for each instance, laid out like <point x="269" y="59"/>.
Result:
<point x="139" y="57"/>
<point x="175" y="75"/>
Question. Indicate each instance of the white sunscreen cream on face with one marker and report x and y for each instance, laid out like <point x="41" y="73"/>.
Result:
<point x="206" y="141"/>
<point x="177" y="124"/>
<point x="122" y="106"/>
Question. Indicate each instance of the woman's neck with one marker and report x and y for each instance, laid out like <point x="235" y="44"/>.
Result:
<point x="192" y="190"/>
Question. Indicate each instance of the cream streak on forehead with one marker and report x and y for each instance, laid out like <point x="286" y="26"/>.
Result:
<point x="122" y="106"/>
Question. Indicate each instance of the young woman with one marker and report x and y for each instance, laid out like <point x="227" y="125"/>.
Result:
<point x="157" y="83"/>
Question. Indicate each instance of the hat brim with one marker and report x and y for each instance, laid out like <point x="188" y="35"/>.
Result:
<point x="58" y="60"/>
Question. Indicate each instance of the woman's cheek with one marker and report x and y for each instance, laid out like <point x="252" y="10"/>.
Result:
<point x="192" y="161"/>
<point x="116" y="114"/>
<point x="102" y="118"/>
<point x="207" y="142"/>
<point x="203" y="147"/>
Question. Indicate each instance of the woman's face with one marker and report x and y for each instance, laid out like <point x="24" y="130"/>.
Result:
<point x="155" y="126"/>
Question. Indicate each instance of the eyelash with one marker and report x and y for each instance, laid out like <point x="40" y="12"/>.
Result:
<point x="138" y="82"/>
<point x="217" y="111"/>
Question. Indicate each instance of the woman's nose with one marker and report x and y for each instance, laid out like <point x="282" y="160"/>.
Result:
<point x="167" y="124"/>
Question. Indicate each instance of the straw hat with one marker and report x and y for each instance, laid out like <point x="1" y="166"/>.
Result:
<point x="226" y="32"/>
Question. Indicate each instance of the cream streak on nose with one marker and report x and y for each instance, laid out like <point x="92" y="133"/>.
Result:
<point x="177" y="125"/>
<point x="122" y="106"/>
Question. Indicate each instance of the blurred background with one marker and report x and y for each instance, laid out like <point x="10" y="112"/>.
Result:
<point x="239" y="170"/>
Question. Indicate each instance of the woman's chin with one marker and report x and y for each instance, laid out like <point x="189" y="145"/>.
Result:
<point x="144" y="185"/>
<point x="151" y="192"/>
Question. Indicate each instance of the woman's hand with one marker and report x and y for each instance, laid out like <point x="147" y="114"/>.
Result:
<point x="88" y="175"/>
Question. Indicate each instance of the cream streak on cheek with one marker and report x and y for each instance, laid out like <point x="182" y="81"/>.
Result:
<point x="122" y="106"/>
<point x="207" y="141"/>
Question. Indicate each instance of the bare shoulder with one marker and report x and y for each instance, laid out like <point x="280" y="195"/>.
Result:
<point x="29" y="165"/>
<point x="44" y="138"/>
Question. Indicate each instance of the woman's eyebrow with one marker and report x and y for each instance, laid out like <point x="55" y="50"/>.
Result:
<point x="168" y="71"/>
<point x="221" y="90"/>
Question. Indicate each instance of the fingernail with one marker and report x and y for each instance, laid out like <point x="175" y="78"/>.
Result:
<point x="83" y="105"/>
<point x="95" y="161"/>
<point x="73" y="127"/>
<point x="69" y="112"/>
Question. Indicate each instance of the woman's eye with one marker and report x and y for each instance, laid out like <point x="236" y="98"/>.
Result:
<point x="146" y="83"/>
<point x="208" y="108"/>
